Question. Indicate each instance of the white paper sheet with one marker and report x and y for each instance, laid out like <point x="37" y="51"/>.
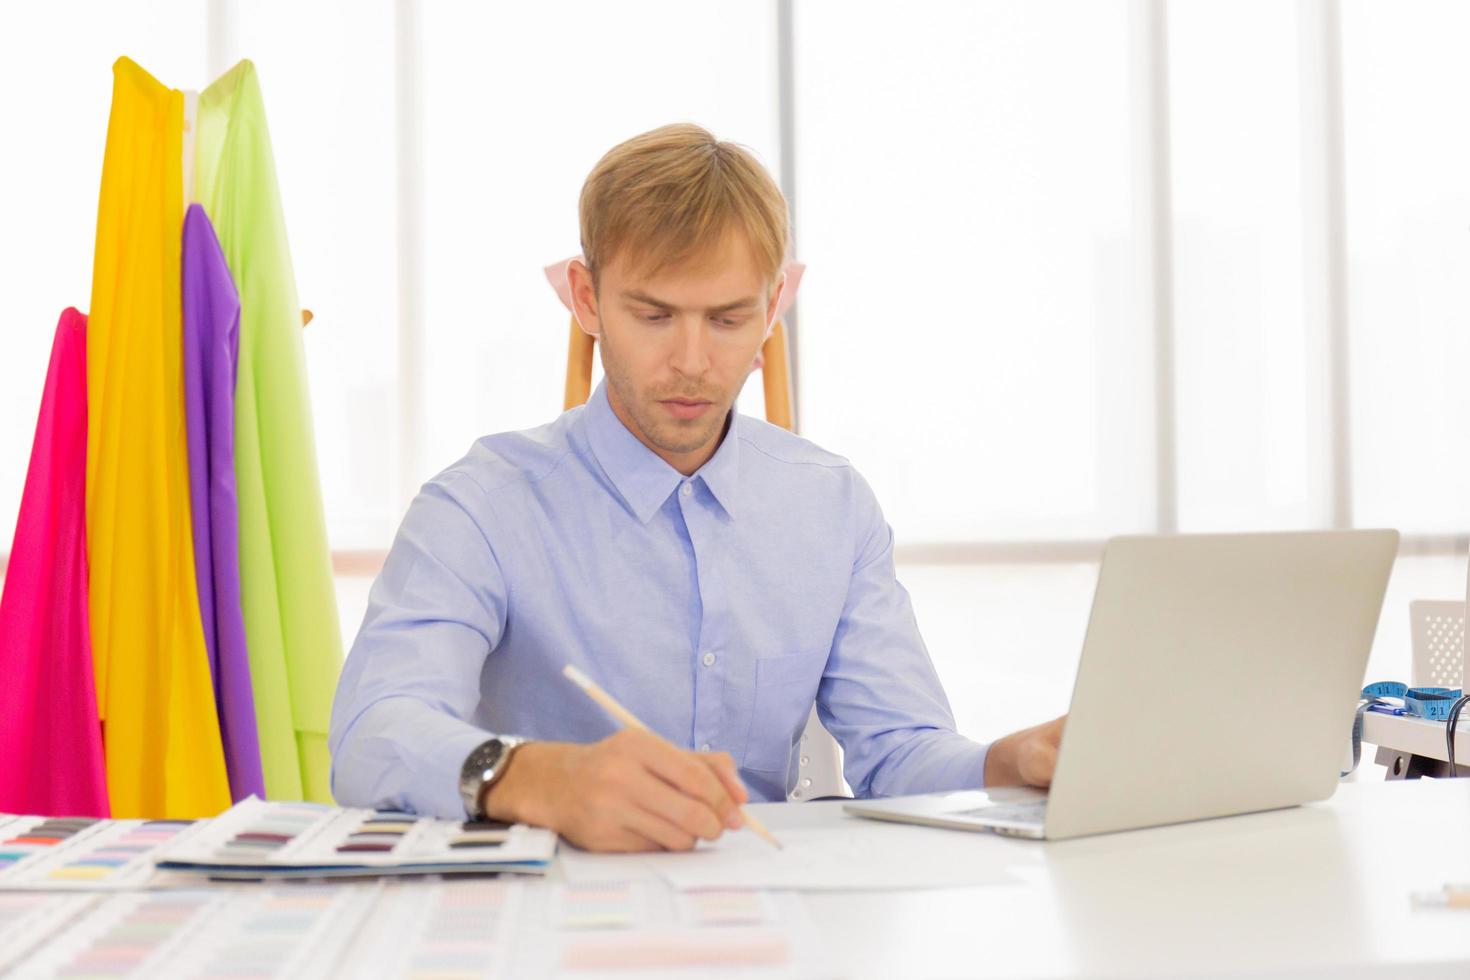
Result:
<point x="854" y="854"/>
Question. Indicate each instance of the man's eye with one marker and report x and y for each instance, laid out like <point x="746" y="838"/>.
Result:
<point x="655" y="317"/>
<point x="729" y="321"/>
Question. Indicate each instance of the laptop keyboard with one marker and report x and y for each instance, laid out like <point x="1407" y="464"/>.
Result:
<point x="1029" y="811"/>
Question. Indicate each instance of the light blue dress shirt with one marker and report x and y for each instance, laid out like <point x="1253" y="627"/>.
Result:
<point x="716" y="608"/>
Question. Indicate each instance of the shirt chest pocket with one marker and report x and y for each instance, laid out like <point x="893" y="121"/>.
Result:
<point x="784" y="690"/>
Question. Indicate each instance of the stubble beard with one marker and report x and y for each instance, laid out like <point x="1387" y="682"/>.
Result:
<point x="669" y="434"/>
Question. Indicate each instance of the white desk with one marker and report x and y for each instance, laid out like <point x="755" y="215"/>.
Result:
<point x="1404" y="735"/>
<point x="1321" y="890"/>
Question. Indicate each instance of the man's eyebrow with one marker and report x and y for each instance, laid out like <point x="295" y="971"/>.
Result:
<point x="738" y="304"/>
<point x="641" y="297"/>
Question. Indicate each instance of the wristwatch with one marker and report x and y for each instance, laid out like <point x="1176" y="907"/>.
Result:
<point x="482" y="768"/>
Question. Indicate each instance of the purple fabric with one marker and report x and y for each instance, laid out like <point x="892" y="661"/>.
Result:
<point x="211" y="349"/>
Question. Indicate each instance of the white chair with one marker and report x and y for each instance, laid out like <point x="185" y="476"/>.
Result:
<point x="1438" y="631"/>
<point x="819" y="767"/>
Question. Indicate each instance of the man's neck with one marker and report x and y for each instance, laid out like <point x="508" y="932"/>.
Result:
<point x="686" y="463"/>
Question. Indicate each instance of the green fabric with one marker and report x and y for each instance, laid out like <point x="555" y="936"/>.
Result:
<point x="290" y="605"/>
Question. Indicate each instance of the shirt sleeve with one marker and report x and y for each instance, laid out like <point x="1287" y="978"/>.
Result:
<point x="401" y="720"/>
<point x="879" y="694"/>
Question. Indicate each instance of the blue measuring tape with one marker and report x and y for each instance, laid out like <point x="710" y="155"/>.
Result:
<point x="1441" y="704"/>
<point x="1433" y="703"/>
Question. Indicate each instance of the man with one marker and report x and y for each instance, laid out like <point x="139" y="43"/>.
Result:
<point x="715" y="574"/>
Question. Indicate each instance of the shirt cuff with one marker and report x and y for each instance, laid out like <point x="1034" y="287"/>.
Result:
<point x="448" y="758"/>
<point x="400" y="754"/>
<point x="984" y="754"/>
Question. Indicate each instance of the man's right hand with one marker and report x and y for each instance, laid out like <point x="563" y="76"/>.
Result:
<point x="632" y="791"/>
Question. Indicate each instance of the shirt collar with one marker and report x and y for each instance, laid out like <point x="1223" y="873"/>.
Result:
<point x="721" y="471"/>
<point x="641" y="476"/>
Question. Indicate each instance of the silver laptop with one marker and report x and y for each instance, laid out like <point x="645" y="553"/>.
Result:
<point x="1219" y="675"/>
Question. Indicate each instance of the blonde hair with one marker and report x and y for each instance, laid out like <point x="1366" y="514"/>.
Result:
<point x="671" y="193"/>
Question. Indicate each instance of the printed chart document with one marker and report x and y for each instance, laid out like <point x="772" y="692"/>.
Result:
<point x="28" y="921"/>
<point x="465" y="928"/>
<point x="644" y="928"/>
<point x="853" y="854"/>
<point x="276" y="930"/>
<point x="84" y="853"/>
<point x="255" y="839"/>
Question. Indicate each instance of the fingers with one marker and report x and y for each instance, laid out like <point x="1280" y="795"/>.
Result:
<point x="626" y="813"/>
<point x="1042" y="763"/>
<point x="690" y="816"/>
<point x="638" y="792"/>
<point x="692" y="776"/>
<point x="724" y="768"/>
<point x="610" y="839"/>
<point x="1038" y="757"/>
<point x="662" y="835"/>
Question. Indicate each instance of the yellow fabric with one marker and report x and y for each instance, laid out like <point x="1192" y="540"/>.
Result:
<point x="154" y="690"/>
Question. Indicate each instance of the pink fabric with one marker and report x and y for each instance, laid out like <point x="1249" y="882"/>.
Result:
<point x="556" y="274"/>
<point x="50" y="738"/>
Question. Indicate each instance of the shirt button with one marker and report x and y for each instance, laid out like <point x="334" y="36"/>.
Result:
<point x="708" y="659"/>
<point x="686" y="489"/>
<point x="704" y="747"/>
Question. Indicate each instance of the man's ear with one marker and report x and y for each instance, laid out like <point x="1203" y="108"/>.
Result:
<point x="775" y="303"/>
<point x="584" y="297"/>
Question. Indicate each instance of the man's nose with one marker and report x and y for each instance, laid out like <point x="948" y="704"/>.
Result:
<point x="691" y="347"/>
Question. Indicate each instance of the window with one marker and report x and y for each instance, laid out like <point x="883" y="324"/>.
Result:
<point x="57" y="85"/>
<point x="1073" y="272"/>
<point x="520" y="101"/>
<point x="969" y="324"/>
<point x="1250" y="357"/>
<point x="1408" y="246"/>
<point x="326" y="75"/>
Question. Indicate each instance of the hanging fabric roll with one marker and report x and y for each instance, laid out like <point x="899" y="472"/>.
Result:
<point x="211" y="346"/>
<point x="287" y="592"/>
<point x="155" y="695"/>
<point x="50" y="739"/>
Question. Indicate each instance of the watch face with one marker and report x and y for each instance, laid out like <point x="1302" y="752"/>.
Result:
<point x="490" y="752"/>
<point x="484" y="759"/>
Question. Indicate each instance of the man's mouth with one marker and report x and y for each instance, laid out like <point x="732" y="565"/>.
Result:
<point x="685" y="408"/>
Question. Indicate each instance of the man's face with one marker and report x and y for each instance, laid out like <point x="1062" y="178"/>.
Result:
<point x="678" y="346"/>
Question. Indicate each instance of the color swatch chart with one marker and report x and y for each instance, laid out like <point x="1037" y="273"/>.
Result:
<point x="255" y="838"/>
<point x="460" y="929"/>
<point x="295" y="930"/>
<point x="83" y="853"/>
<point x="417" y="928"/>
<point x="485" y="928"/>
<point x="643" y="927"/>
<point x="27" y="920"/>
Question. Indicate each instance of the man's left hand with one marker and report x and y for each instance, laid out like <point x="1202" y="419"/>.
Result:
<point x="1025" y="758"/>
